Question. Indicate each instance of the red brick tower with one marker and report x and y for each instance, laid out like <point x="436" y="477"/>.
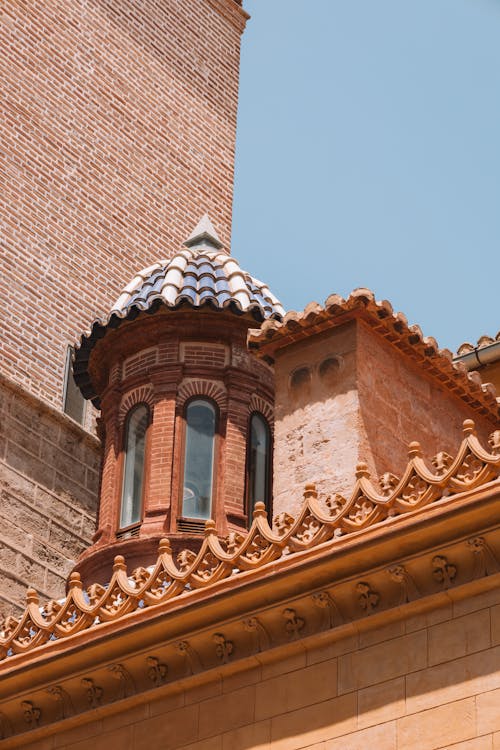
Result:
<point x="114" y="120"/>
<point x="187" y="410"/>
<point x="117" y="131"/>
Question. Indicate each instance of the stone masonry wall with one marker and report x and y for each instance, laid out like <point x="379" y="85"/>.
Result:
<point x="117" y="124"/>
<point x="427" y="682"/>
<point x="348" y="396"/>
<point x="399" y="403"/>
<point x="48" y="496"/>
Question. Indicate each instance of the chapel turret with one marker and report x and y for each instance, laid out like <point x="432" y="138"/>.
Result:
<point x="186" y="409"/>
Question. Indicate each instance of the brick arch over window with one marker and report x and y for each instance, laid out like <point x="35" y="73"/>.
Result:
<point x="257" y="403"/>
<point x="208" y="388"/>
<point x="141" y="395"/>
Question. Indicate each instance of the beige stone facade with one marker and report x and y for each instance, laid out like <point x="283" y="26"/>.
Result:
<point x="49" y="474"/>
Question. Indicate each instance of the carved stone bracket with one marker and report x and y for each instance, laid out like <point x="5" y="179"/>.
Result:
<point x="443" y="571"/>
<point x="253" y="625"/>
<point x="485" y="562"/>
<point x="408" y="589"/>
<point x="193" y="662"/>
<point x="126" y="685"/>
<point x="63" y="699"/>
<point x="331" y="614"/>
<point x="223" y="648"/>
<point x="293" y="623"/>
<point x="157" y="671"/>
<point x="6" y="728"/>
<point x="31" y="714"/>
<point x="94" y="692"/>
<point x="368" y="599"/>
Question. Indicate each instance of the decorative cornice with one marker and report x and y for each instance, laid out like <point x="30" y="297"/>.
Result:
<point x="361" y="304"/>
<point x="321" y="520"/>
<point x="233" y="11"/>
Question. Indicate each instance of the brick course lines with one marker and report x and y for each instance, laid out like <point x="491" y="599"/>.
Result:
<point x="117" y="125"/>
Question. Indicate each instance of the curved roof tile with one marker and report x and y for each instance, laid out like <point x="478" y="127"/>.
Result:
<point x="197" y="277"/>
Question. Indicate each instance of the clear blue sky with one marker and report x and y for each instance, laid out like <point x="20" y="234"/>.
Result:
<point x="369" y="155"/>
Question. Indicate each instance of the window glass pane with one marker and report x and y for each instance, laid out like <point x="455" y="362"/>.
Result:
<point x="137" y="423"/>
<point x="258" y="477"/>
<point x="199" y="460"/>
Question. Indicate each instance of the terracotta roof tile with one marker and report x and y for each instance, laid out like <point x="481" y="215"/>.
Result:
<point x="379" y="315"/>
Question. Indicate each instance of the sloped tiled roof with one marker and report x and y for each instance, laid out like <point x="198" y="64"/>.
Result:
<point x="379" y="315"/>
<point x="482" y="342"/>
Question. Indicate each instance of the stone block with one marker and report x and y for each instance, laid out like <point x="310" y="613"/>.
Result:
<point x="460" y="636"/>
<point x="65" y="541"/>
<point x="121" y="738"/>
<point x="479" y="743"/>
<point x="313" y="724"/>
<point x="383" y="661"/>
<point x="384" y="633"/>
<point x="380" y="737"/>
<point x="283" y="665"/>
<point x="29" y="465"/>
<point x="241" y="679"/>
<point x="488" y="712"/>
<point x="327" y="651"/>
<point x="437" y="727"/>
<point x="167" y="703"/>
<point x="16" y="483"/>
<point x="495" y="625"/>
<point x="26" y="517"/>
<point x="381" y="703"/>
<point x="30" y="571"/>
<point x="256" y="736"/>
<point x="304" y="687"/>
<point x="212" y="743"/>
<point x="81" y="732"/>
<point x="227" y="712"/>
<point x="453" y="680"/>
<point x="473" y="603"/>
<point x="51" y="505"/>
<point x="170" y="731"/>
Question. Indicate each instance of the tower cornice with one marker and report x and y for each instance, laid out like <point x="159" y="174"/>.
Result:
<point x="233" y="11"/>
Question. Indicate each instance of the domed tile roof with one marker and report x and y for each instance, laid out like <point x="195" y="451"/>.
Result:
<point x="200" y="275"/>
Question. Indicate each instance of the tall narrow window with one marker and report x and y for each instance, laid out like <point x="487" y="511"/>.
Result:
<point x="133" y="477"/>
<point x="259" y="458"/>
<point x="199" y="460"/>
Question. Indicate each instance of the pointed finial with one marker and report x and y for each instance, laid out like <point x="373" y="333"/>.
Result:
<point x="204" y="235"/>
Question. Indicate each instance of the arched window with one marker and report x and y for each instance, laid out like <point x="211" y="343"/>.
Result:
<point x="258" y="462"/>
<point x="133" y="476"/>
<point x="199" y="459"/>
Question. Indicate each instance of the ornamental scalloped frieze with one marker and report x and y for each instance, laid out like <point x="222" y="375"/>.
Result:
<point x="319" y="521"/>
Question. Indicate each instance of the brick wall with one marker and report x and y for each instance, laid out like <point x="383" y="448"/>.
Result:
<point x="426" y="682"/>
<point x="347" y="396"/>
<point x="117" y="124"/>
<point x="48" y="496"/>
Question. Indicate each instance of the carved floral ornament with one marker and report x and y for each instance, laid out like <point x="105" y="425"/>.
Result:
<point x="320" y="520"/>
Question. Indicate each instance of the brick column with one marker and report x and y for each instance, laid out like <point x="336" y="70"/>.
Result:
<point x="158" y="498"/>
